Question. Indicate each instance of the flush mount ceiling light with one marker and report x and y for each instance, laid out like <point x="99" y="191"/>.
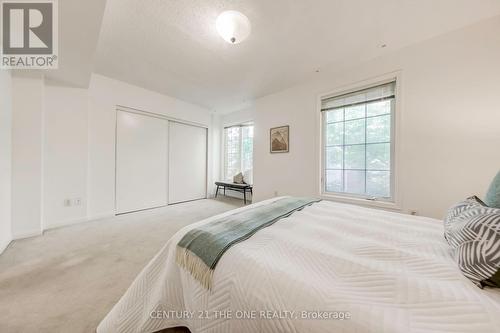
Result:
<point x="233" y="26"/>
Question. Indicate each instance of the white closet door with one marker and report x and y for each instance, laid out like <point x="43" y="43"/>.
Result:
<point x="141" y="162"/>
<point x="187" y="173"/>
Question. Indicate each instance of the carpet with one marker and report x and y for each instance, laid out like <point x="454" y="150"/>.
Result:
<point x="69" y="278"/>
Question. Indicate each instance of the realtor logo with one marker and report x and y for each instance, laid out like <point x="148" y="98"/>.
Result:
<point x="29" y="34"/>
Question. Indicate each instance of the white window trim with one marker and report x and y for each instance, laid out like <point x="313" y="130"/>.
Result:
<point x="396" y="202"/>
<point x="223" y="144"/>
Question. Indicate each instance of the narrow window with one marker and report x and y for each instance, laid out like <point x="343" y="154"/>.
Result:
<point x="238" y="152"/>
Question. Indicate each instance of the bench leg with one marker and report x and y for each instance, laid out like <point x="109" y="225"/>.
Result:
<point x="224" y="191"/>
<point x="245" y="196"/>
<point x="217" y="191"/>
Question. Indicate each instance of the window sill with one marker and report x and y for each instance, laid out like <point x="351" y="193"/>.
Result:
<point x="362" y="202"/>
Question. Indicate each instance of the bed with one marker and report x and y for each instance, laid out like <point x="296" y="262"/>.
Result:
<point x="330" y="267"/>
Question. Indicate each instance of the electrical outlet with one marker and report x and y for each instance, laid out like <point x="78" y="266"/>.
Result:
<point x="413" y="212"/>
<point x="78" y="201"/>
<point x="67" y="202"/>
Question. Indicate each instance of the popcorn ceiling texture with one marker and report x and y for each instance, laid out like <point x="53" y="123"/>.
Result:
<point x="172" y="46"/>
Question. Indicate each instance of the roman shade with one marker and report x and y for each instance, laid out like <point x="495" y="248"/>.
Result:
<point x="373" y="94"/>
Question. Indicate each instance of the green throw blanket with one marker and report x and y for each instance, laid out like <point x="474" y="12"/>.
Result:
<point x="201" y="248"/>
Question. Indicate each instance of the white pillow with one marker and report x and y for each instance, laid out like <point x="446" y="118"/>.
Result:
<point x="238" y="178"/>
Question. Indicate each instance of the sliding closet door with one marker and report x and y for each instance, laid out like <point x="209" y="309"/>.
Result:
<point x="141" y="162"/>
<point x="187" y="174"/>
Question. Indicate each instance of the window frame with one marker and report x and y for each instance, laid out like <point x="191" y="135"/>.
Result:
<point x="224" y="145"/>
<point x="395" y="202"/>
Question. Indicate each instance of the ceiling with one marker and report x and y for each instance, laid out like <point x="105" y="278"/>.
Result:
<point x="79" y="25"/>
<point x="171" y="46"/>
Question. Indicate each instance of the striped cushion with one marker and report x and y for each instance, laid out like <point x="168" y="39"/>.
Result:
<point x="473" y="231"/>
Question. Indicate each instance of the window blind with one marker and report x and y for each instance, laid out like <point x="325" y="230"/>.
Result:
<point x="374" y="94"/>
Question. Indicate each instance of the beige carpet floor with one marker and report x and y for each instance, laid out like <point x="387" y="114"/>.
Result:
<point x="69" y="278"/>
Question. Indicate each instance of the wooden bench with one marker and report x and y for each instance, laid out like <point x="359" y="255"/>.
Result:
<point x="243" y="188"/>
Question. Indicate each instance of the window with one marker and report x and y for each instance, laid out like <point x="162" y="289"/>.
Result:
<point x="238" y="152"/>
<point x="358" y="143"/>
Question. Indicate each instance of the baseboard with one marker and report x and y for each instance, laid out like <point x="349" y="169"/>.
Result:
<point x="5" y="244"/>
<point x="101" y="216"/>
<point x="235" y="195"/>
<point x="33" y="233"/>
<point x="26" y="234"/>
<point x="78" y="220"/>
<point x="64" y="223"/>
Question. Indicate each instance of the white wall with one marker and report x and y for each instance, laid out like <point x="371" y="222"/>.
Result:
<point x="215" y="151"/>
<point x="63" y="147"/>
<point x="237" y="117"/>
<point x="5" y="159"/>
<point x="65" y="155"/>
<point x="27" y="117"/>
<point x="104" y="95"/>
<point x="450" y="121"/>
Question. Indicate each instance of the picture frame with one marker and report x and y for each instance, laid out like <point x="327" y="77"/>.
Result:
<point x="279" y="139"/>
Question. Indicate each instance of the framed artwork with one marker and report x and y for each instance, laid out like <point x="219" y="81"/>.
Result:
<point x="280" y="139"/>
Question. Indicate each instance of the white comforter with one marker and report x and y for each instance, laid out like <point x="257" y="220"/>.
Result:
<point x="380" y="271"/>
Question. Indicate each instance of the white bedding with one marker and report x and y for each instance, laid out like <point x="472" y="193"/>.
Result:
<point x="389" y="272"/>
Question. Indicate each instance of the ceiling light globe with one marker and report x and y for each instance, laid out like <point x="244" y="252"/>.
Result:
<point x="233" y="26"/>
